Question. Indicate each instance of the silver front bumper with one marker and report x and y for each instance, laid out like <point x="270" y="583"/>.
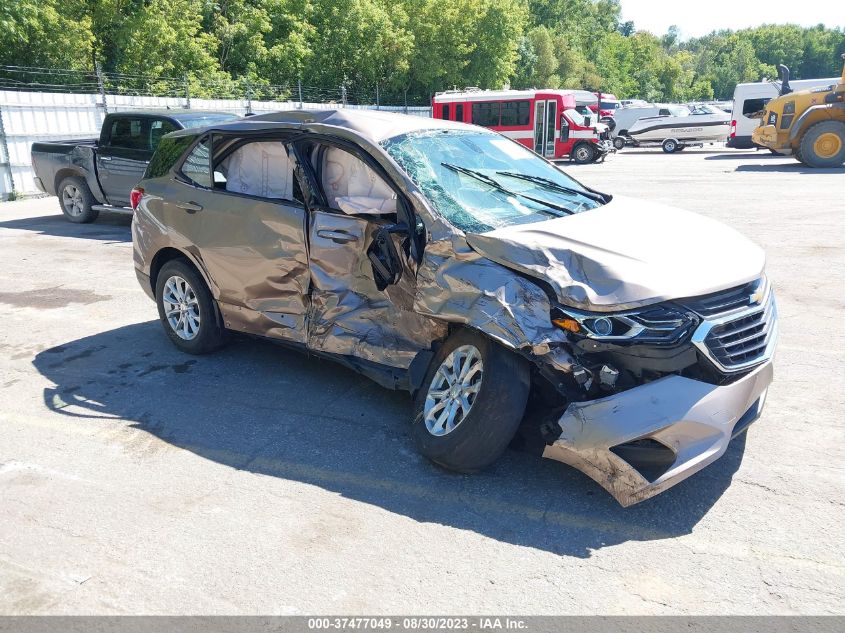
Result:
<point x="606" y="147"/>
<point x="694" y="419"/>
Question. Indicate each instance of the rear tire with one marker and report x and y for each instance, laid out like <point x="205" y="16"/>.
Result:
<point x="823" y="145"/>
<point x="187" y="310"/>
<point x="670" y="146"/>
<point x="493" y="381"/>
<point x="619" y="142"/>
<point x="76" y="200"/>
<point x="584" y="153"/>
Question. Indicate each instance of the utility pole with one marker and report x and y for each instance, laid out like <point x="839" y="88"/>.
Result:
<point x="248" y="97"/>
<point x="187" y="92"/>
<point x="343" y="92"/>
<point x="299" y="87"/>
<point x="5" y="159"/>
<point x="378" y="106"/>
<point x="101" y="86"/>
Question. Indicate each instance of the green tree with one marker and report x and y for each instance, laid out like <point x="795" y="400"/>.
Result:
<point x="46" y="33"/>
<point x="167" y="39"/>
<point x="358" y="43"/>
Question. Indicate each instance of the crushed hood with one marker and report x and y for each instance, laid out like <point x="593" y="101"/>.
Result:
<point x="625" y="254"/>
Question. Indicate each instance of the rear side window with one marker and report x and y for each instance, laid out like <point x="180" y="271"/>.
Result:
<point x="753" y="108"/>
<point x="197" y="165"/>
<point x="168" y="152"/>
<point x="128" y="133"/>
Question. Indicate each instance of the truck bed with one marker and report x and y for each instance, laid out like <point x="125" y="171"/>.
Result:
<point x="63" y="147"/>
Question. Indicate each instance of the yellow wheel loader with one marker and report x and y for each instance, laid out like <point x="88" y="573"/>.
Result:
<point x="808" y="124"/>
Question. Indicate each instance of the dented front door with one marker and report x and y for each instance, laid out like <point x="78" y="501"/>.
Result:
<point x="349" y="315"/>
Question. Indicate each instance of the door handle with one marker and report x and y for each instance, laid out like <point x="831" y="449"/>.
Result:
<point x="190" y="207"/>
<point x="105" y="158"/>
<point x="339" y="237"/>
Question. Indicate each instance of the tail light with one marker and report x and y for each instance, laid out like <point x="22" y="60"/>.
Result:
<point x="733" y="129"/>
<point x="135" y="197"/>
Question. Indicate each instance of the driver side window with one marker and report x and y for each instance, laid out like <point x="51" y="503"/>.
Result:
<point x="350" y="185"/>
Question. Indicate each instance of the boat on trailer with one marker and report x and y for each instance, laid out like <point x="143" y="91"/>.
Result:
<point x="692" y="127"/>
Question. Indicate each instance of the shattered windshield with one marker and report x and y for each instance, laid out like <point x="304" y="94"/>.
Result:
<point x="480" y="181"/>
<point x="576" y="117"/>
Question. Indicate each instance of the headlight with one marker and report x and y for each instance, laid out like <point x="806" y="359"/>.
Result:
<point x="789" y="107"/>
<point x="655" y="324"/>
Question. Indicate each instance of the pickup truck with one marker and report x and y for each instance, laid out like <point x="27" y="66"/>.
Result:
<point x="90" y="175"/>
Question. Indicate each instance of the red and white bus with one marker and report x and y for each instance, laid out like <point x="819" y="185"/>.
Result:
<point x="544" y="120"/>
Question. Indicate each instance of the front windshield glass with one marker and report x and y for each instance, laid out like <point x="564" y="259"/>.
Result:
<point x="576" y="117"/>
<point x="679" y="110"/>
<point x="706" y="109"/>
<point x="480" y="181"/>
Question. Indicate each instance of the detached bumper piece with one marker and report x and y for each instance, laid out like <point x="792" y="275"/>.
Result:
<point x="640" y="442"/>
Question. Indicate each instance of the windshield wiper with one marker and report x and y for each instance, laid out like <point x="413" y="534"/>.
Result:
<point x="492" y="182"/>
<point x="551" y="184"/>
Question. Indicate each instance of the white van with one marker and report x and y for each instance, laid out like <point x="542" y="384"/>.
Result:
<point x="750" y="100"/>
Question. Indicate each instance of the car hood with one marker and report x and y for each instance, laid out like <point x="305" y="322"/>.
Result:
<point x="625" y="254"/>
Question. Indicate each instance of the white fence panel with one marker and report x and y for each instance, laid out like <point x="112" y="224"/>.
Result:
<point x="29" y="117"/>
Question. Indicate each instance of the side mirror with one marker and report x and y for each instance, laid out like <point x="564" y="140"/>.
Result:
<point x="383" y="256"/>
<point x="588" y="121"/>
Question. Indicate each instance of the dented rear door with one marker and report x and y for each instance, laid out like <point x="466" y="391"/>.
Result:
<point x="252" y="248"/>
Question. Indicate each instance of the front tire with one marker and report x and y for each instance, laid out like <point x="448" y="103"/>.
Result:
<point x="76" y="200"/>
<point x="471" y="402"/>
<point x="619" y="143"/>
<point x="187" y="310"/>
<point x="823" y="145"/>
<point x="584" y="153"/>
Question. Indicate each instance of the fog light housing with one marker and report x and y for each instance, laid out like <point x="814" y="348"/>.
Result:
<point x="647" y="456"/>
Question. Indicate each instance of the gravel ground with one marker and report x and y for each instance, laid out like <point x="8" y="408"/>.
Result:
<point x="134" y="479"/>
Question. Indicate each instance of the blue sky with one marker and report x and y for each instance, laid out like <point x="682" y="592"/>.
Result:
<point x="699" y="17"/>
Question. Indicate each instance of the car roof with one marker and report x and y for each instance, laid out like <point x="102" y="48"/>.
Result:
<point x="373" y="125"/>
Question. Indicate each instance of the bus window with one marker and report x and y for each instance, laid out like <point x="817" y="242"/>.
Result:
<point x="486" y="114"/>
<point x="445" y="114"/>
<point x="459" y="112"/>
<point x="515" y="113"/>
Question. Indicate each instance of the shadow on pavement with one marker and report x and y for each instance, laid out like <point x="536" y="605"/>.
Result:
<point x="109" y="226"/>
<point x="792" y="168"/>
<point x="735" y="155"/>
<point x="257" y="407"/>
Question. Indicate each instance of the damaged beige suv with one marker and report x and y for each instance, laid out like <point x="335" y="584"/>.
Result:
<point x="452" y="262"/>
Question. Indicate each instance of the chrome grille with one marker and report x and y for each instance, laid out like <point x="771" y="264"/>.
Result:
<point x="719" y="303"/>
<point x="739" y="329"/>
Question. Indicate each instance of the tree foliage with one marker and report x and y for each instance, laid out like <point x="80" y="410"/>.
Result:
<point x="404" y="49"/>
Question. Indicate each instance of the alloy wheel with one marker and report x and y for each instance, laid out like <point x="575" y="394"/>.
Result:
<point x="72" y="201"/>
<point x="453" y="390"/>
<point x="181" y="307"/>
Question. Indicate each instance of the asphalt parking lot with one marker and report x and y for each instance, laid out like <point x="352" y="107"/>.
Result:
<point x="135" y="479"/>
